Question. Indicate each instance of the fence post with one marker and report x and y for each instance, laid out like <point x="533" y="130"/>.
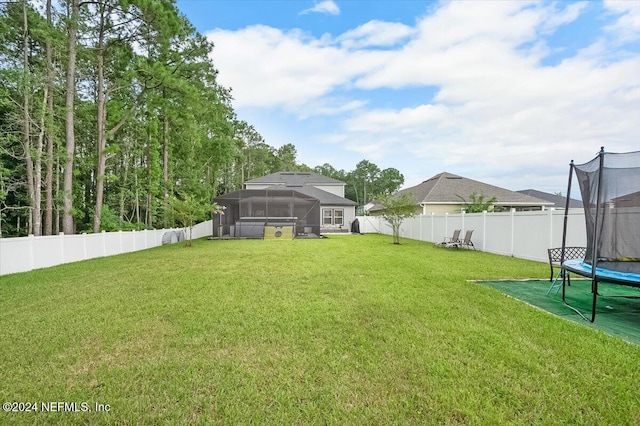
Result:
<point x="133" y="235"/>
<point x="433" y="215"/>
<point x="551" y="226"/>
<point x="446" y="224"/>
<point x="104" y="243"/>
<point x="484" y="230"/>
<point x="120" y="239"/>
<point x="513" y="239"/>
<point x="462" y="212"/>
<point x="84" y="246"/>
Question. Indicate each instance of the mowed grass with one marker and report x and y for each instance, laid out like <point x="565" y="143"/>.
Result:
<point x="344" y="330"/>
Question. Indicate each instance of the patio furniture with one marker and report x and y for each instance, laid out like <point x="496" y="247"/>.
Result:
<point x="454" y="241"/>
<point x="467" y="240"/>
<point x="555" y="259"/>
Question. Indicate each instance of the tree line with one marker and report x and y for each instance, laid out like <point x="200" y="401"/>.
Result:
<point x="111" y="117"/>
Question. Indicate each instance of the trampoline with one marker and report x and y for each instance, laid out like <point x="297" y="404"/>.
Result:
<point x="610" y="188"/>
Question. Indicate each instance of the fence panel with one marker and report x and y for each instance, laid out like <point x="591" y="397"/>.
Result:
<point x="140" y="240"/>
<point x="16" y="254"/>
<point x="519" y="234"/>
<point x="530" y="235"/>
<point x="26" y="253"/>
<point x="46" y="252"/>
<point x="527" y="235"/>
<point x="74" y="247"/>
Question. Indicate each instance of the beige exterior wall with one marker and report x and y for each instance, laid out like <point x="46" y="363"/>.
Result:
<point x="456" y="208"/>
<point x="379" y="212"/>
<point x="441" y="208"/>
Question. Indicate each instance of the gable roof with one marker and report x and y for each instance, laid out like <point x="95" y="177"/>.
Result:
<point x="325" y="198"/>
<point x="276" y="191"/>
<point x="447" y="188"/>
<point x="296" y="178"/>
<point x="628" y="200"/>
<point x="558" y="201"/>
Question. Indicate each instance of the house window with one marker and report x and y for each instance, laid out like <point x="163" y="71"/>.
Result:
<point x="327" y="217"/>
<point x="338" y="217"/>
<point x="333" y="217"/>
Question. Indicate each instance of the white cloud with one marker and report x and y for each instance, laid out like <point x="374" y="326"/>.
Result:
<point x="268" y="67"/>
<point x="376" y="33"/>
<point x="627" y="27"/>
<point x="555" y="17"/>
<point x="497" y="110"/>
<point x="329" y="106"/>
<point x="324" y="6"/>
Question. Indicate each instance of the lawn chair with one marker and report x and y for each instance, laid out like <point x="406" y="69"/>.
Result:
<point x="555" y="255"/>
<point x="453" y="241"/>
<point x="467" y="240"/>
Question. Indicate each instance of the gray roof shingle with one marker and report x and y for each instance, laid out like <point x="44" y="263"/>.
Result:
<point x="296" y="178"/>
<point x="558" y="201"/>
<point x="325" y="198"/>
<point x="445" y="188"/>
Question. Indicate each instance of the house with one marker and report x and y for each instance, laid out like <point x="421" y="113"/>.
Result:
<point x="307" y="203"/>
<point x="628" y="200"/>
<point x="449" y="193"/>
<point x="559" y="201"/>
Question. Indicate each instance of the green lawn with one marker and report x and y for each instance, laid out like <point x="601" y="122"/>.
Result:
<point x="344" y="330"/>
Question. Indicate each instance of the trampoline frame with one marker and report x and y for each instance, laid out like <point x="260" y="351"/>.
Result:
<point x="596" y="274"/>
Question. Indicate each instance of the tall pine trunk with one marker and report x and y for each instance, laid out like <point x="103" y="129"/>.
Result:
<point x="26" y="117"/>
<point x="67" y="186"/>
<point x="165" y="168"/>
<point x="102" y="137"/>
<point x="37" y="172"/>
<point x="48" y="180"/>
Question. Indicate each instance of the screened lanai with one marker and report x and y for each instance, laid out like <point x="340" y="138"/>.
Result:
<point x="267" y="213"/>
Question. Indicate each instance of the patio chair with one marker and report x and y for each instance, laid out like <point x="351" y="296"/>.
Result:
<point x="555" y="255"/>
<point x="453" y="241"/>
<point x="467" y="240"/>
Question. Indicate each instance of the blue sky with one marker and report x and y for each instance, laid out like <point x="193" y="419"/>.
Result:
<point x="503" y="92"/>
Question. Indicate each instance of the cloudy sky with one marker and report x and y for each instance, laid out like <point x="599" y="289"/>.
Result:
<point x="503" y="92"/>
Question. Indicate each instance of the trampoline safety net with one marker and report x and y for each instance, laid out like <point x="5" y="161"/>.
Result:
<point x="610" y="187"/>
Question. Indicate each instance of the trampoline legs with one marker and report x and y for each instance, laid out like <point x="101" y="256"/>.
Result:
<point x="594" y="291"/>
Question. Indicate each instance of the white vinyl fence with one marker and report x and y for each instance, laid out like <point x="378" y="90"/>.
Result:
<point x="27" y="253"/>
<point x="526" y="235"/>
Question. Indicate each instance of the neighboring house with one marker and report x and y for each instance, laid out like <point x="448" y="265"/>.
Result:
<point x="447" y="193"/>
<point x="628" y="200"/>
<point x="559" y="201"/>
<point x="311" y="202"/>
<point x="367" y="208"/>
